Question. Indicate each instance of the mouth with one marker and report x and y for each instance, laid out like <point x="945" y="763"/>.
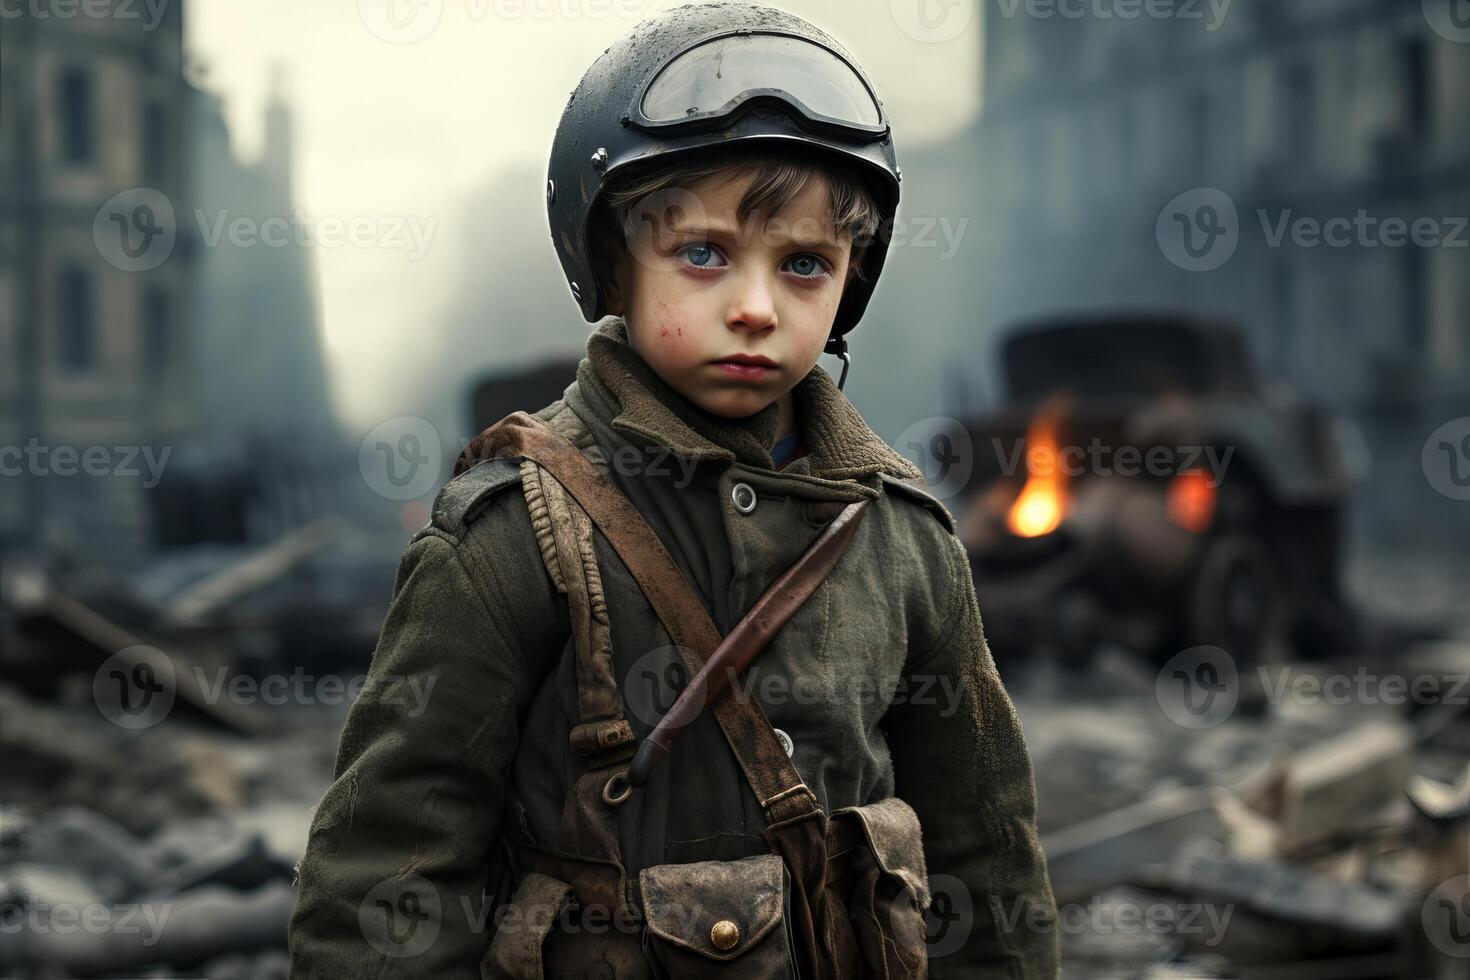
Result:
<point x="752" y="359"/>
<point x="749" y="367"/>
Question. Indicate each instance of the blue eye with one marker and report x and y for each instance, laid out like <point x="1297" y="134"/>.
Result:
<point x="807" y="266"/>
<point x="700" y="255"/>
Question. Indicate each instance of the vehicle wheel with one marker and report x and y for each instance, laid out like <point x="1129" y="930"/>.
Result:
<point x="1234" y="602"/>
<point x="1073" y="633"/>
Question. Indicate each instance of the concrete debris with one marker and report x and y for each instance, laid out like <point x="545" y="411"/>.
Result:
<point x="1323" y="838"/>
<point x="1440" y="802"/>
<point x="1118" y="846"/>
<point x="170" y="877"/>
<point x="1343" y="779"/>
<point x="1308" y="841"/>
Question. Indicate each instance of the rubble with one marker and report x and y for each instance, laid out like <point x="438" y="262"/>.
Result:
<point x="1331" y="784"/>
<point x="1119" y="846"/>
<point x="1331" y="834"/>
<point x="119" y="858"/>
<point x="1306" y="841"/>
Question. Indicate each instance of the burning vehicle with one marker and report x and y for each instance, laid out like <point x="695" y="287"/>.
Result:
<point x="1143" y="486"/>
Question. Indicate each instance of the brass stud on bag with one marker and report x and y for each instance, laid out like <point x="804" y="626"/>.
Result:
<point x="724" y="934"/>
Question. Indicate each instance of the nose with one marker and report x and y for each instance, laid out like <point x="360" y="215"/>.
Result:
<point x="753" y="307"/>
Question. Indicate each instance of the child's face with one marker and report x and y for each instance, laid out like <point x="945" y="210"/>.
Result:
<point x="698" y="288"/>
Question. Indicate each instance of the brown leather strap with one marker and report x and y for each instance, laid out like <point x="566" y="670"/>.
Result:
<point x="747" y="638"/>
<point x="769" y="771"/>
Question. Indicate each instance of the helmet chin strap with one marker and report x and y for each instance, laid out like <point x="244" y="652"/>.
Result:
<point x="838" y="346"/>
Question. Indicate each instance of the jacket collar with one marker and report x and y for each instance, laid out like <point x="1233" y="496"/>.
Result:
<point x="841" y="445"/>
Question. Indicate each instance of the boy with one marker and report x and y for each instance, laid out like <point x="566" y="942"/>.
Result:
<point x="721" y="185"/>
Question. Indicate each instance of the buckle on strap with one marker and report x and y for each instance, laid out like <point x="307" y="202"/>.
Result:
<point x="799" y="788"/>
<point x="593" y="738"/>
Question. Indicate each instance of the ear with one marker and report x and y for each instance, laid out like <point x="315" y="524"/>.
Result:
<point x="613" y="298"/>
<point x="615" y="279"/>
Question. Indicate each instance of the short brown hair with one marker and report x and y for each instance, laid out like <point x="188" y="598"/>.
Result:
<point x="778" y="177"/>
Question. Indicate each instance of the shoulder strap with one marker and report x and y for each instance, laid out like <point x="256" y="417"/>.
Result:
<point x="768" y="770"/>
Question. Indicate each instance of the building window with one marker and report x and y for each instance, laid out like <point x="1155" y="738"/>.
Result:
<point x="155" y="143"/>
<point x="1200" y="126"/>
<point x="1126" y="136"/>
<point x="1300" y="138"/>
<point x="78" y="347"/>
<point x="77" y="136"/>
<point x="157" y="330"/>
<point x="1416" y="303"/>
<point x="1418" y="88"/>
<point x="1283" y="289"/>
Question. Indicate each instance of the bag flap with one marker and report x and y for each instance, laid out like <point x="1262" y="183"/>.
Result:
<point x="533" y="909"/>
<point x="893" y="832"/>
<point x="683" y="903"/>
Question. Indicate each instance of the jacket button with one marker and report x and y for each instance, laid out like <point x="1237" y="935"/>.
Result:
<point x="724" y="934"/>
<point x="820" y="513"/>
<point x="743" y="496"/>
<point x="785" y="741"/>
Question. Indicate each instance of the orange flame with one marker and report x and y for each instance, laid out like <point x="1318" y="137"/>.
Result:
<point x="1191" y="501"/>
<point x="1042" y="502"/>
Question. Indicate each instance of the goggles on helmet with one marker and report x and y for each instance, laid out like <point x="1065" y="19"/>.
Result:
<point x="702" y="87"/>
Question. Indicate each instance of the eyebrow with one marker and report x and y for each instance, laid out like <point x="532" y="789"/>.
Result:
<point x="718" y="228"/>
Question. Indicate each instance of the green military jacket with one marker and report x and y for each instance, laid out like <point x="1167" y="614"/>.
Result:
<point x="883" y="683"/>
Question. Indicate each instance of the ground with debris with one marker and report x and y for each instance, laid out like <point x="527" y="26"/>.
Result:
<point x="1321" y="837"/>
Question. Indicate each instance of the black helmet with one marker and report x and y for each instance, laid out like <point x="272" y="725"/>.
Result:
<point x="706" y="74"/>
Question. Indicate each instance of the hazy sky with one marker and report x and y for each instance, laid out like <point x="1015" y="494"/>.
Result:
<point x="404" y="111"/>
